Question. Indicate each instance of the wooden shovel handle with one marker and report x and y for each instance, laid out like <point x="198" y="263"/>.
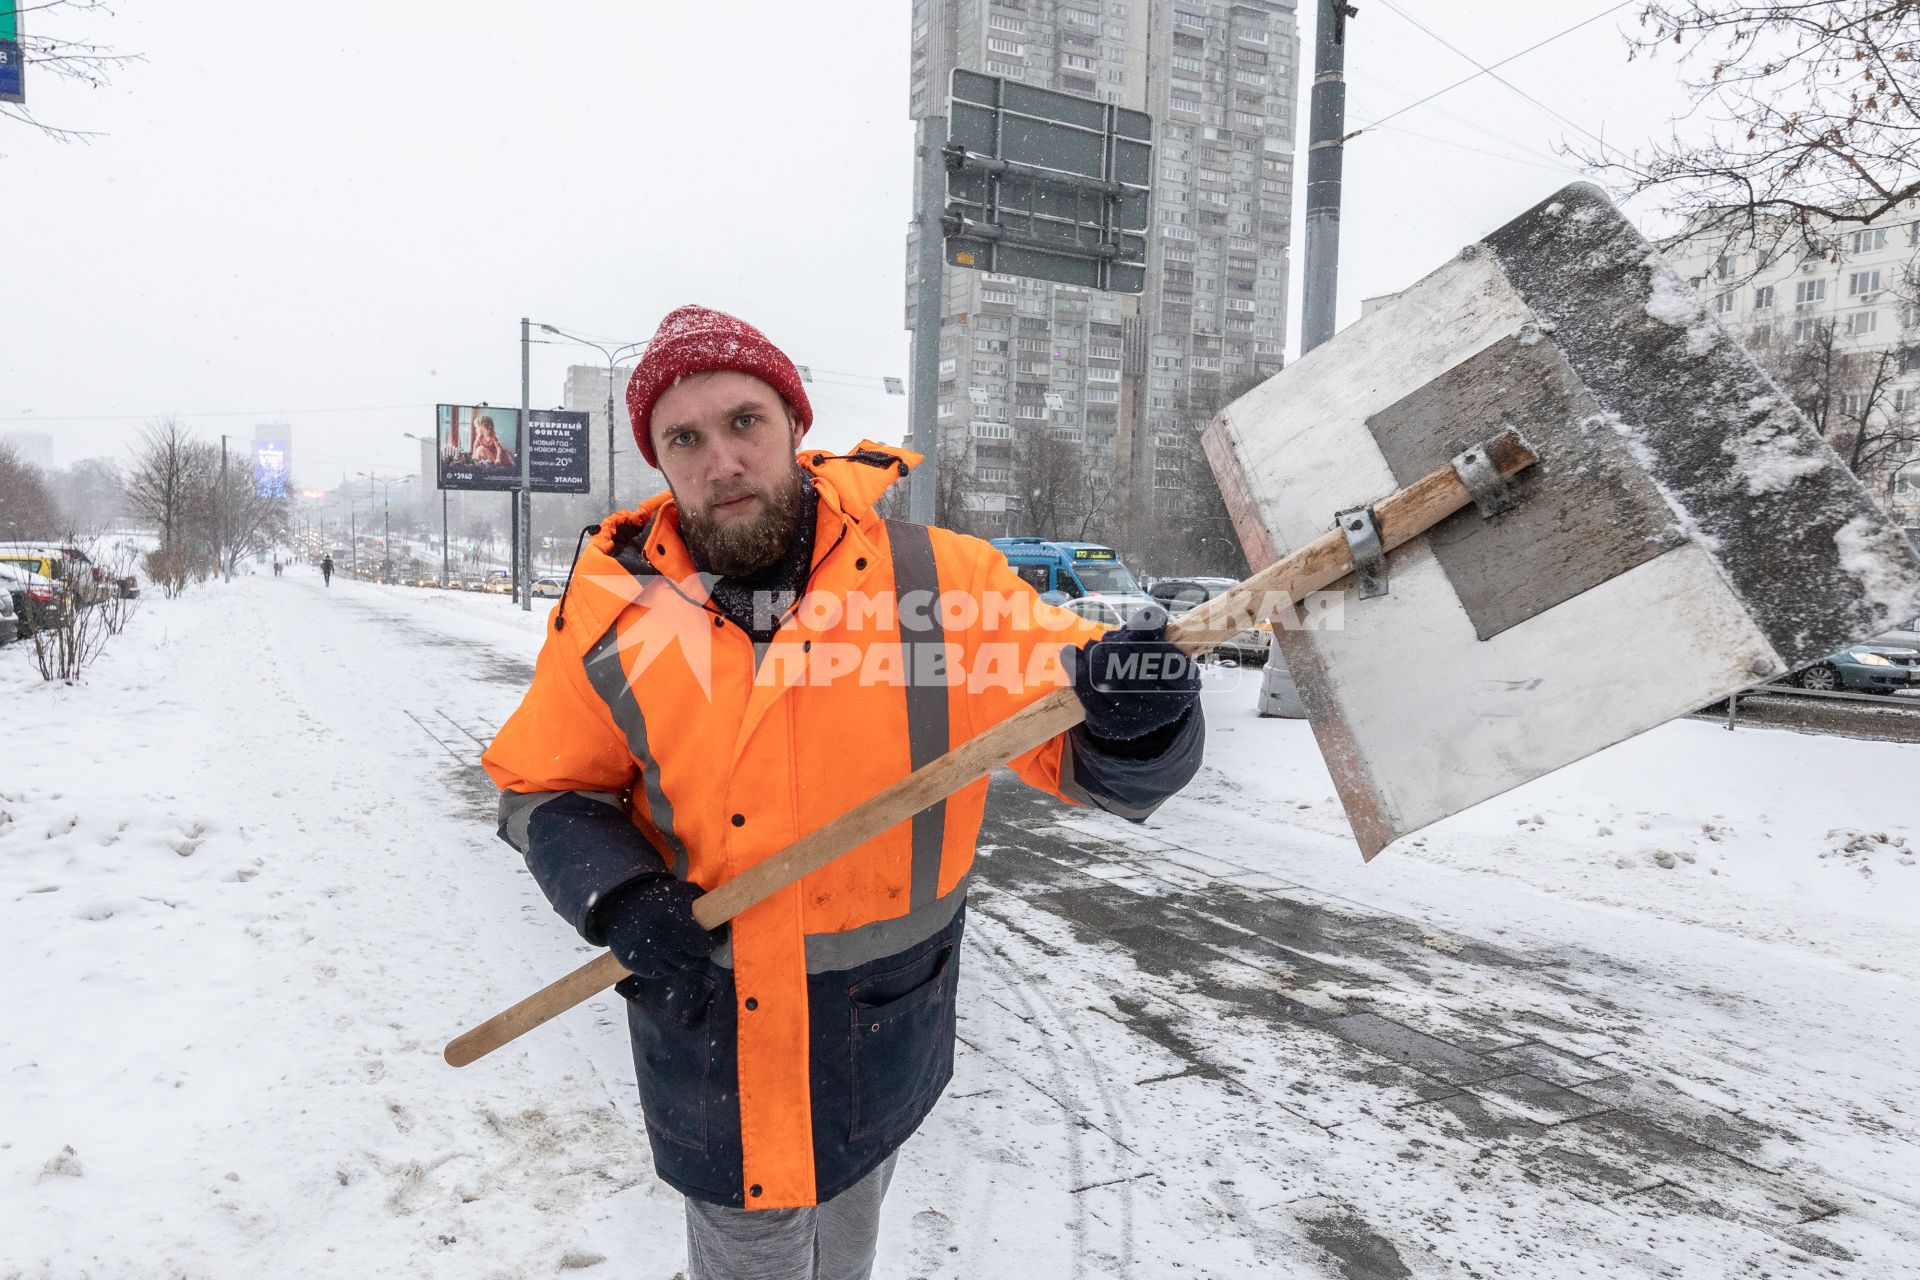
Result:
<point x="1319" y="564"/>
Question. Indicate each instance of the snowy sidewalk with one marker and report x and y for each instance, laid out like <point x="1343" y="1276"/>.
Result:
<point x="1651" y="1015"/>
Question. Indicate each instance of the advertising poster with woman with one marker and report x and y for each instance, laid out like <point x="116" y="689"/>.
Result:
<point x="479" y="447"/>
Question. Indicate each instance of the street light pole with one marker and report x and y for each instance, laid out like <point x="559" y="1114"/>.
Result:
<point x="613" y="357"/>
<point x="446" y="565"/>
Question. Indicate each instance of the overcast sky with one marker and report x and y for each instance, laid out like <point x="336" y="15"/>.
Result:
<point x="337" y="218"/>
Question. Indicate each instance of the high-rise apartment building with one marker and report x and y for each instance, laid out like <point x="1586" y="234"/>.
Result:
<point x="1069" y="412"/>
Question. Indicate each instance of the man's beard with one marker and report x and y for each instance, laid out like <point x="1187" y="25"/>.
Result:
<point x="736" y="550"/>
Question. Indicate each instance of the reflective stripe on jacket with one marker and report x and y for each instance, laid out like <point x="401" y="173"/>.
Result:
<point x="654" y="740"/>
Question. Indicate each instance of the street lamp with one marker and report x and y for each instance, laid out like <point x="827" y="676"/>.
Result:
<point x="613" y="355"/>
<point x="386" y="514"/>
<point x="446" y="565"/>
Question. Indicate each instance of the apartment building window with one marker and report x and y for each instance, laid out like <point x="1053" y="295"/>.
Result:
<point x="946" y="408"/>
<point x="1075" y="62"/>
<point x="1906" y="400"/>
<point x="1870" y="240"/>
<point x="1000" y="44"/>
<point x="1863" y="322"/>
<point x="1808" y="292"/>
<point x="1001" y="22"/>
<point x="1116" y="77"/>
<point x="996" y="295"/>
<point x="1853" y="403"/>
<point x="1726" y="265"/>
<point x="990" y="430"/>
<point x="1723" y="303"/>
<point x="1910" y="360"/>
<point x="1191" y="21"/>
<point x="1805" y="330"/>
<point x="990" y="345"/>
<point x="1182" y="63"/>
<point x="1080" y="19"/>
<point x="1102" y="395"/>
<point x="1007" y="70"/>
<point x="1187" y="105"/>
<point x="1763" y="297"/>
<point x="1863" y="282"/>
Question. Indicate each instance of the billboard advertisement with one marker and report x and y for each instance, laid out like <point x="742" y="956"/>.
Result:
<point x="560" y="458"/>
<point x="12" y="58"/>
<point x="479" y="448"/>
<point x="269" y="469"/>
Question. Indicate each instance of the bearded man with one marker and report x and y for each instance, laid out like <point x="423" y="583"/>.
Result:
<point x="717" y="683"/>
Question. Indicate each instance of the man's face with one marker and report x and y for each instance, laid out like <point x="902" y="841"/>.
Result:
<point x="726" y="443"/>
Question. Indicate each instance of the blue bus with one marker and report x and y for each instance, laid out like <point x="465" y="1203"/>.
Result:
<point x="1068" y="570"/>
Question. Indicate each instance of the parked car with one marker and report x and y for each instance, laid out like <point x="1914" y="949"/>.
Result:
<point x="547" y="588"/>
<point x="9" y="620"/>
<point x="499" y="582"/>
<point x="1062" y="571"/>
<point x="70" y="566"/>
<point x="1110" y="610"/>
<point x="38" y="601"/>
<point x="1182" y="594"/>
<point x="1863" y="668"/>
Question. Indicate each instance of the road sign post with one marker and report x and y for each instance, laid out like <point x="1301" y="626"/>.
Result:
<point x="1047" y="185"/>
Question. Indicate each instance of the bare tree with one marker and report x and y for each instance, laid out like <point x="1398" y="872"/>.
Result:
<point x="1803" y="117"/>
<point x="92" y="493"/>
<point x="1848" y="396"/>
<point x="172" y="475"/>
<point x="243" y="520"/>
<point x="27" y="508"/>
<point x="46" y="50"/>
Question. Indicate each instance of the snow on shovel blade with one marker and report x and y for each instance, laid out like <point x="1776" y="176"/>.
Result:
<point x="1687" y="533"/>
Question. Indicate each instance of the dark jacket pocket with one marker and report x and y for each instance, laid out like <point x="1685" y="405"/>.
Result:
<point x="902" y="1024"/>
<point x="672" y="1052"/>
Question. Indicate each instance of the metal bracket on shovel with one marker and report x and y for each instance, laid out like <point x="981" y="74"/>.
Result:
<point x="1363" y="544"/>
<point x="1492" y="492"/>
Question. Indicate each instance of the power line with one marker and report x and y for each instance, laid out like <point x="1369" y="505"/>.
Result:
<point x="1571" y="124"/>
<point x="1489" y="70"/>
<point x="1497" y="155"/>
<point x="1466" y="122"/>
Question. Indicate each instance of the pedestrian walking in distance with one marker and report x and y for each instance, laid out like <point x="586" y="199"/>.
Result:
<point x="326" y="568"/>
<point x="713" y="686"/>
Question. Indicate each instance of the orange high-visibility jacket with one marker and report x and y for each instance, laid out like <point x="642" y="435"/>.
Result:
<point x="654" y="740"/>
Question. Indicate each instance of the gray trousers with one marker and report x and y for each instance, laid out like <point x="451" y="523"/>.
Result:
<point x="831" y="1241"/>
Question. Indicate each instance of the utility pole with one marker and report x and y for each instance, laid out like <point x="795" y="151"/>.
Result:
<point x="930" y="269"/>
<point x="1326" y="138"/>
<point x="524" y="503"/>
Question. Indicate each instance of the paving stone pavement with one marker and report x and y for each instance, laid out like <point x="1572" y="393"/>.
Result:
<point x="1522" y="1053"/>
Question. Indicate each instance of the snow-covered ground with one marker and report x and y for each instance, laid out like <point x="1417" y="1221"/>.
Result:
<point x="250" y="887"/>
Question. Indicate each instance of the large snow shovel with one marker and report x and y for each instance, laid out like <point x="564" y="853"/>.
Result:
<point x="1319" y="564"/>
<point x="1685" y="534"/>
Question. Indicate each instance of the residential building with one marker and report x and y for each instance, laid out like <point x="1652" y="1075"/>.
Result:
<point x="1069" y="412"/>
<point x="586" y="392"/>
<point x="1837" y="320"/>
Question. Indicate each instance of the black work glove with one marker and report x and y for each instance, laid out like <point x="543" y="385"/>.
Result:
<point x="650" y="928"/>
<point x="1133" y="680"/>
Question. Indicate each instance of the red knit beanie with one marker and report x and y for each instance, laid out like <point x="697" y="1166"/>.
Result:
<point x="696" y="340"/>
